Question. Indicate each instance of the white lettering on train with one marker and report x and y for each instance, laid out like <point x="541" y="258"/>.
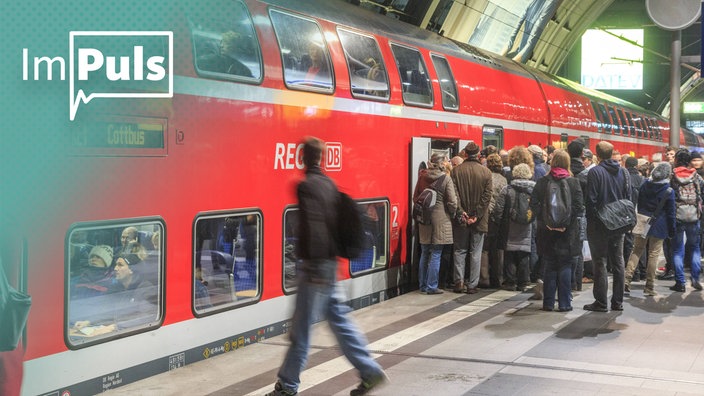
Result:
<point x="288" y="156"/>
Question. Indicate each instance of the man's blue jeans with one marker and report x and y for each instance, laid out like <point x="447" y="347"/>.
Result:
<point x="315" y="302"/>
<point x="693" y="254"/>
<point x="429" y="266"/>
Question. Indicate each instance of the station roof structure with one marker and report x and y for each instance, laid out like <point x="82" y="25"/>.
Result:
<point x="546" y="34"/>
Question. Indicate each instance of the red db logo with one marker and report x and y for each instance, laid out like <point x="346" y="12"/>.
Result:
<point x="333" y="156"/>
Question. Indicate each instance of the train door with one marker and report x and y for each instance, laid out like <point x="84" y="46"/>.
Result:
<point x="492" y="135"/>
<point x="422" y="148"/>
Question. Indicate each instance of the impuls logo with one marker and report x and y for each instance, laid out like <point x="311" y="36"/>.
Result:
<point x="126" y="64"/>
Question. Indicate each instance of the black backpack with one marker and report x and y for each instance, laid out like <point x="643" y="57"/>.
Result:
<point x="351" y="240"/>
<point x="424" y="204"/>
<point x="520" y="206"/>
<point x="557" y="206"/>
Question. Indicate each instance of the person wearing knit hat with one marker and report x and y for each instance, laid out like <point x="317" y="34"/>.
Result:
<point x="662" y="171"/>
<point x="516" y="227"/>
<point x="656" y="201"/>
<point x="100" y="256"/>
<point x="696" y="162"/>
<point x="540" y="167"/>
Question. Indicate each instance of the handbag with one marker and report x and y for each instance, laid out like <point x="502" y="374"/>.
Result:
<point x="14" y="309"/>
<point x="642" y="225"/>
<point x="618" y="216"/>
<point x="644" y="222"/>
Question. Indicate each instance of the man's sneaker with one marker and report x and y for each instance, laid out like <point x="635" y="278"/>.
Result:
<point x="280" y="391"/>
<point x="696" y="284"/>
<point x="367" y="385"/>
<point x="595" y="307"/>
<point x="678" y="287"/>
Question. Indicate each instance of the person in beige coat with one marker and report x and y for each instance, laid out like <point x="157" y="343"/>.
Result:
<point x="439" y="232"/>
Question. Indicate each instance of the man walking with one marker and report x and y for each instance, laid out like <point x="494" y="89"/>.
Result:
<point x="317" y="295"/>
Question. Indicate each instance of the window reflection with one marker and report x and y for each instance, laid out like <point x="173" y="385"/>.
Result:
<point x="115" y="280"/>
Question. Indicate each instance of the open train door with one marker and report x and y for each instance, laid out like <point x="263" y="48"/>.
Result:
<point x="420" y="153"/>
<point x="421" y="150"/>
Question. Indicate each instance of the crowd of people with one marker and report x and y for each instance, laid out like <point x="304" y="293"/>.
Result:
<point x="550" y="220"/>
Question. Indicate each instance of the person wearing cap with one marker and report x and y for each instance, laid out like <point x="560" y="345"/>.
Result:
<point x="651" y="193"/>
<point x="474" y="189"/>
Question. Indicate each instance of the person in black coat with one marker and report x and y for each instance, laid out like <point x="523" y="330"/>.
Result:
<point x="559" y="248"/>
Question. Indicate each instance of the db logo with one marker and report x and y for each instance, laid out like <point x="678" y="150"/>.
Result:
<point x="333" y="156"/>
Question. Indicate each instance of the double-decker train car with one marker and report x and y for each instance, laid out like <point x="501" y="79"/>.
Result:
<point x="157" y="232"/>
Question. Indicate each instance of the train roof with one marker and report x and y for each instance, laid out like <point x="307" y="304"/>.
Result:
<point x="343" y="13"/>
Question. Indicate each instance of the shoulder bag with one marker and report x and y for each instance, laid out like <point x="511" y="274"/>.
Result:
<point x="644" y="222"/>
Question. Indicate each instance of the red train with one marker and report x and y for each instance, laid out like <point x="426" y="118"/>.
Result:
<point x="197" y="190"/>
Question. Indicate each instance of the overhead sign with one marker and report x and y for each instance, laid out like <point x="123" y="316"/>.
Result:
<point x="693" y="107"/>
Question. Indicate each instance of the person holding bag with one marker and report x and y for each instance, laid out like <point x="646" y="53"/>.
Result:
<point x="656" y="212"/>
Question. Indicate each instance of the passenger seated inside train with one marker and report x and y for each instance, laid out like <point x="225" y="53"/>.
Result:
<point x="226" y="59"/>
<point x="93" y="279"/>
<point x="131" y="302"/>
<point x="316" y="66"/>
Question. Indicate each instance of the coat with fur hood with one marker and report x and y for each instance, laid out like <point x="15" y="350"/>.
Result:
<point x="514" y="236"/>
<point x="439" y="231"/>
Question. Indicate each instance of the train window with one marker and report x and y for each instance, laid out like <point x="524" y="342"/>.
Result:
<point x="226" y="260"/>
<point x="617" y="125"/>
<point x="624" y="124"/>
<point x="115" y="280"/>
<point x="291" y="216"/>
<point x="605" y="118"/>
<point x="450" y="100"/>
<point x="368" y="76"/>
<point x="304" y="53"/>
<point x="376" y="226"/>
<point x="225" y="45"/>
<point x="599" y="120"/>
<point x="640" y="128"/>
<point x="649" y="128"/>
<point x="631" y="124"/>
<point x="415" y="83"/>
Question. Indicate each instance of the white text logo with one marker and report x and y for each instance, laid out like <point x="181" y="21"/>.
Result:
<point x="129" y="65"/>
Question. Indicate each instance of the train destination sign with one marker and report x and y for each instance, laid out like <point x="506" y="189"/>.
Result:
<point x="121" y="136"/>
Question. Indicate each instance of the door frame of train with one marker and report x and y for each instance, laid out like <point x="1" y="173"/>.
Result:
<point x="421" y="150"/>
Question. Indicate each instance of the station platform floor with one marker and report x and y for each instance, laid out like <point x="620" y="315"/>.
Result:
<point x="494" y="342"/>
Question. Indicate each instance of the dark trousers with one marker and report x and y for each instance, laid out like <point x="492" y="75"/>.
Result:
<point x="516" y="268"/>
<point x="607" y="249"/>
<point x="558" y="275"/>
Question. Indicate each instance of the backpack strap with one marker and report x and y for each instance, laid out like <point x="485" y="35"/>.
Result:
<point x="437" y="183"/>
